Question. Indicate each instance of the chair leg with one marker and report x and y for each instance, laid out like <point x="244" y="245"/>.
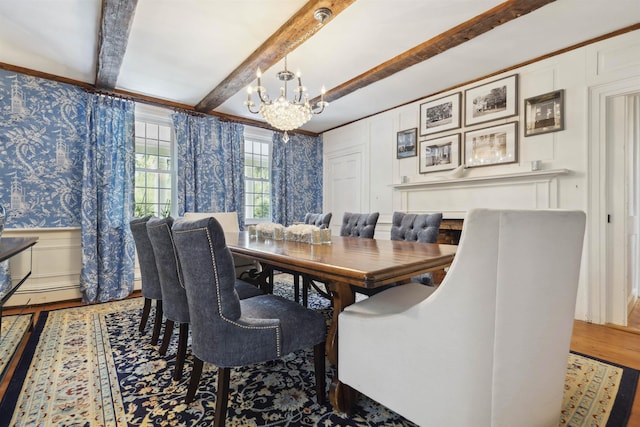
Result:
<point x="222" y="397"/>
<point x="145" y="314"/>
<point x="319" y="365"/>
<point x="168" y="331"/>
<point x="195" y="380"/>
<point x="157" y="324"/>
<point x="183" y="338"/>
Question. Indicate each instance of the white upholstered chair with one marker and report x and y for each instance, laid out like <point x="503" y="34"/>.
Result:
<point x="489" y="346"/>
<point x="229" y="223"/>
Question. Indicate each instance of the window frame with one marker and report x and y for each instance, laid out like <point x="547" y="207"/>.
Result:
<point x="264" y="136"/>
<point x="161" y="117"/>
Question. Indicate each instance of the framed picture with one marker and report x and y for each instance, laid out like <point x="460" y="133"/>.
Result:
<point x="544" y="113"/>
<point x="493" y="145"/>
<point x="440" y="154"/>
<point x="440" y="114"/>
<point x="491" y="101"/>
<point x="407" y="145"/>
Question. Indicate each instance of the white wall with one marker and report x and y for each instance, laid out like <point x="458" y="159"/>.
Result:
<point x="563" y="182"/>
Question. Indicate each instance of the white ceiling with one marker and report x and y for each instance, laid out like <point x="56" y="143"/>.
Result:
<point x="179" y="50"/>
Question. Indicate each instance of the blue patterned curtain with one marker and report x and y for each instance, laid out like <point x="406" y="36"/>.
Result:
<point x="232" y="172"/>
<point x="297" y="177"/>
<point x="107" y="200"/>
<point x="5" y="277"/>
<point x="195" y="138"/>
<point x="210" y="165"/>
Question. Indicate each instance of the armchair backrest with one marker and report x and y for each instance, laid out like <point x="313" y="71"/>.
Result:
<point x="500" y="323"/>
<point x="321" y="220"/>
<point x="415" y="227"/>
<point x="174" y="297"/>
<point x="209" y="279"/>
<point x="228" y="220"/>
<point x="359" y="224"/>
<point x="146" y="258"/>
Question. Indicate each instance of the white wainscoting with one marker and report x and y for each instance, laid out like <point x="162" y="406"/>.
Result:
<point x="55" y="266"/>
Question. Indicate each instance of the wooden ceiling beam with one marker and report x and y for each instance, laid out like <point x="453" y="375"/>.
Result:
<point x="270" y="52"/>
<point x="458" y="35"/>
<point x="113" y="36"/>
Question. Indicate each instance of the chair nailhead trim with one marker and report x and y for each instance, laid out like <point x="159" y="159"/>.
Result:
<point x="216" y="278"/>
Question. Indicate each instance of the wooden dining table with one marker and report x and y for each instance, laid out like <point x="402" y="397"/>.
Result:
<point x="346" y="261"/>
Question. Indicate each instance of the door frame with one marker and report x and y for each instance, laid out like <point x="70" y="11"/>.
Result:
<point x="601" y="307"/>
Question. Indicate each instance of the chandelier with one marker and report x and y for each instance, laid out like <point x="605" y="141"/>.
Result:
<point x="283" y="113"/>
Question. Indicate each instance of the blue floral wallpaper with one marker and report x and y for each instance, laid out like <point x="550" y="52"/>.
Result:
<point x="42" y="129"/>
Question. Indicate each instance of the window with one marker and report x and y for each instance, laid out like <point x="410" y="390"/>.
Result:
<point x="153" y="162"/>
<point x="257" y="175"/>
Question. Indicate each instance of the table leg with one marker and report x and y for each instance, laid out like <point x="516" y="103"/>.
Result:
<point x="265" y="279"/>
<point x="341" y="395"/>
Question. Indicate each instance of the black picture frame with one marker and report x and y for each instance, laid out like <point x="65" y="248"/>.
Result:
<point x="491" y="101"/>
<point x="440" y="114"/>
<point x="407" y="143"/>
<point x="440" y="154"/>
<point x="491" y="146"/>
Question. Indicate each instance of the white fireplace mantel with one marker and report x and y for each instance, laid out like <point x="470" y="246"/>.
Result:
<point x="489" y="179"/>
<point x="455" y="196"/>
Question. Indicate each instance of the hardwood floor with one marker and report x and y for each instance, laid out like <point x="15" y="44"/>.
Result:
<point x="618" y="345"/>
<point x="633" y="321"/>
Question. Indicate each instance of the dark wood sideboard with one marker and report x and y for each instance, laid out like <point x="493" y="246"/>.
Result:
<point x="449" y="234"/>
<point x="9" y="247"/>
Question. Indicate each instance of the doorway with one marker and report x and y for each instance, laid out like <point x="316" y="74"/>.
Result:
<point x="623" y="209"/>
<point x="612" y="214"/>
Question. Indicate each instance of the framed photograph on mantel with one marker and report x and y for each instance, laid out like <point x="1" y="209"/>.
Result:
<point x="491" y="101"/>
<point x="544" y="113"/>
<point x="440" y="154"/>
<point x="491" y="146"/>
<point x="440" y="114"/>
<point x="407" y="143"/>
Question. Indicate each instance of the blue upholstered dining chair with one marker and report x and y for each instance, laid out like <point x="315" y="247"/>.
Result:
<point x="417" y="228"/>
<point x="151" y="290"/>
<point x="359" y="224"/>
<point x="362" y="225"/>
<point x="229" y="332"/>
<point x="320" y="220"/>
<point x="174" y="297"/>
<point x="413" y="228"/>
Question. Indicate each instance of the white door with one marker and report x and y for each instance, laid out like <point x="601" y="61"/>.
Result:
<point x="344" y="189"/>
<point x="622" y="206"/>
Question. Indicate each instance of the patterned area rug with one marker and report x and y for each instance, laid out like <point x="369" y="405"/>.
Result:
<point x="13" y="330"/>
<point x="90" y="366"/>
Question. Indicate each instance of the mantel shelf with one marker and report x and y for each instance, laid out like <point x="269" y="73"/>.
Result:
<point x="519" y="176"/>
